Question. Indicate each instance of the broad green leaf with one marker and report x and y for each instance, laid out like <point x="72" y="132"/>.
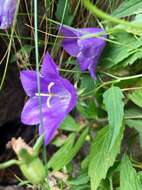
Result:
<point x="100" y="157"/>
<point x="136" y="97"/>
<point x="128" y="177"/>
<point x="125" y="45"/>
<point x="115" y="108"/>
<point x="63" y="12"/>
<point x="127" y="8"/>
<point x="67" y="152"/>
<point x="69" y="124"/>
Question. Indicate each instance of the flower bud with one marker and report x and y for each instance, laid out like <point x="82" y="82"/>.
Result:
<point x="30" y="164"/>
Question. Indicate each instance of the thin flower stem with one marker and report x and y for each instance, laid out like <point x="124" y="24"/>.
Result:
<point x="9" y="164"/>
<point x="38" y="71"/>
<point x="118" y="79"/>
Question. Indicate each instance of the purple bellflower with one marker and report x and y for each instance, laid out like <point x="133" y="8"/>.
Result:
<point x="7" y="11"/>
<point x="58" y="98"/>
<point x="87" y="50"/>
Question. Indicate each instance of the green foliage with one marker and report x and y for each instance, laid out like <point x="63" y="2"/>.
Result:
<point x="67" y="152"/>
<point x="100" y="157"/>
<point x="136" y="97"/>
<point x="115" y="108"/>
<point x="100" y="102"/>
<point x="137" y="125"/>
<point x="128" y="8"/>
<point x="63" y="12"/>
<point x="127" y="48"/>
<point x="70" y="124"/>
<point x="128" y="177"/>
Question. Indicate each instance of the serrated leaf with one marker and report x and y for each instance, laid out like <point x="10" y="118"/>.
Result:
<point x="132" y="58"/>
<point x="69" y="124"/>
<point x="100" y="158"/>
<point x="125" y="45"/>
<point x="67" y="152"/>
<point x="136" y="97"/>
<point x="127" y="8"/>
<point x="113" y="101"/>
<point x="63" y="12"/>
<point x="128" y="177"/>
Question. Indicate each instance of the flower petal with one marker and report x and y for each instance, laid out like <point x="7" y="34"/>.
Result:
<point x="48" y="66"/>
<point x="50" y="125"/>
<point x="60" y="106"/>
<point x="7" y="11"/>
<point x="31" y="111"/>
<point x="70" y="40"/>
<point x="29" y="82"/>
<point x="73" y="94"/>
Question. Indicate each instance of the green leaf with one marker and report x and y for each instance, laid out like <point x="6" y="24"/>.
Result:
<point x="87" y="84"/>
<point x="115" y="108"/>
<point x="80" y="180"/>
<point x="133" y="113"/>
<point x="136" y="97"/>
<point x="80" y="142"/>
<point x="125" y="46"/>
<point x="128" y="177"/>
<point x="61" y="157"/>
<point x="127" y="8"/>
<point x="132" y="58"/>
<point x="69" y="124"/>
<point x="67" y="152"/>
<point x="87" y="108"/>
<point x="100" y="158"/>
<point x="63" y="12"/>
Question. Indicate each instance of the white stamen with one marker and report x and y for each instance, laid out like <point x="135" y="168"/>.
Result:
<point x="50" y="86"/>
<point x="43" y="94"/>
<point x="48" y="101"/>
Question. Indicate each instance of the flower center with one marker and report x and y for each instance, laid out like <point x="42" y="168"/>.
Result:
<point x="49" y="95"/>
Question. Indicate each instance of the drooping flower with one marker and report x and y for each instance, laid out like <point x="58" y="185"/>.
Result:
<point x="58" y="98"/>
<point x="7" y="11"/>
<point x="87" y="50"/>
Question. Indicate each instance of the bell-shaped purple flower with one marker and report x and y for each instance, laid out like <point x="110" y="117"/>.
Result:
<point x="58" y="98"/>
<point x="87" y="50"/>
<point x="7" y="11"/>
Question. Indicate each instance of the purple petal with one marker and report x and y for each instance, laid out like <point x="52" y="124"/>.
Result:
<point x="31" y="111"/>
<point x="73" y="94"/>
<point x="48" y="66"/>
<point x="60" y="106"/>
<point x="70" y="41"/>
<point x="29" y="82"/>
<point x="92" y="71"/>
<point x="50" y="125"/>
<point x="7" y="11"/>
<point x="83" y="62"/>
